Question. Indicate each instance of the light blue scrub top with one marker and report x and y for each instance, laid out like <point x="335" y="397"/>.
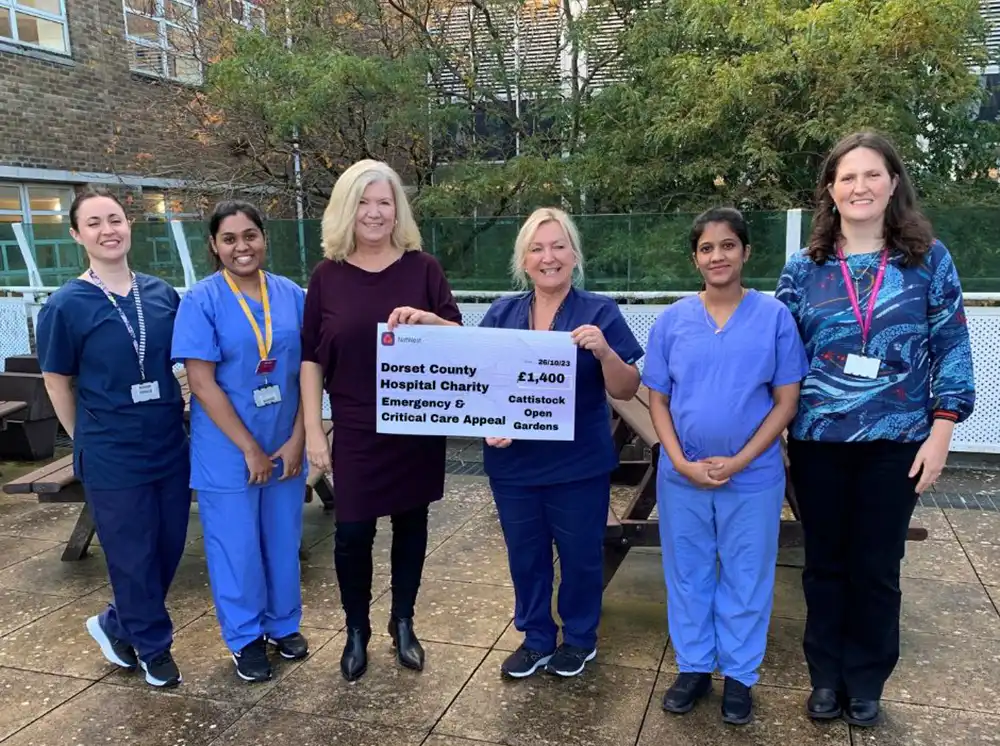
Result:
<point x="211" y="326"/>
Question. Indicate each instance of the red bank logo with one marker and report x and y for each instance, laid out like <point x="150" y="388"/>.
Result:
<point x="388" y="339"/>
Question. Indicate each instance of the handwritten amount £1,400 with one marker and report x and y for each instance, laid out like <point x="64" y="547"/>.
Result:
<point x="478" y="382"/>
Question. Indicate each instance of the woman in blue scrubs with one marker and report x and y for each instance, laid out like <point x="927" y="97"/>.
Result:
<point x="559" y="491"/>
<point x="103" y="344"/>
<point x="238" y="335"/>
<point x="723" y="368"/>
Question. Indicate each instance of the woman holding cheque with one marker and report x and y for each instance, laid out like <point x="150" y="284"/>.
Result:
<point x="237" y="333"/>
<point x="560" y="490"/>
<point x="374" y="272"/>
<point x="724" y="369"/>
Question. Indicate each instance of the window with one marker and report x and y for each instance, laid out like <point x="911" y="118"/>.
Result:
<point x="159" y="206"/>
<point x="35" y="203"/>
<point x="44" y="211"/>
<point x="246" y="13"/>
<point x="35" y="23"/>
<point x="161" y="38"/>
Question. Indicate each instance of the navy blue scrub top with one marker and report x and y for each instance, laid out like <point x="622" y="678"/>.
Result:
<point x="117" y="444"/>
<point x="591" y="452"/>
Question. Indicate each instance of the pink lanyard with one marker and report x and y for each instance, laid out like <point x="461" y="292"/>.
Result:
<point x="866" y="323"/>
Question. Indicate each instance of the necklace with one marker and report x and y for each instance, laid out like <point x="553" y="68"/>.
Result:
<point x="711" y="322"/>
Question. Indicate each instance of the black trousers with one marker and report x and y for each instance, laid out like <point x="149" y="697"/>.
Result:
<point x="856" y="501"/>
<point x="353" y="559"/>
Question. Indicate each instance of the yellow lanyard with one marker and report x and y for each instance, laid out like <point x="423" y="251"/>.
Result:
<point x="263" y="347"/>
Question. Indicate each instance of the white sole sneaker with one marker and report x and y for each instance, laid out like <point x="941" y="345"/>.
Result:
<point x="577" y="672"/>
<point x="540" y="663"/>
<point x="102" y="639"/>
<point x="153" y="681"/>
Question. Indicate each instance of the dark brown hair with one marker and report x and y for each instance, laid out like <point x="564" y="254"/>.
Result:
<point x="89" y="192"/>
<point x="906" y="229"/>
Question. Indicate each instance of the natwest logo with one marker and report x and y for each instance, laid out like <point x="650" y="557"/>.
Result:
<point x="388" y="339"/>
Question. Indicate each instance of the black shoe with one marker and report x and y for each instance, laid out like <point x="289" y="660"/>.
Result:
<point x="291" y="647"/>
<point x="251" y="662"/>
<point x="524" y="662"/>
<point x="686" y="690"/>
<point x="161" y="671"/>
<point x="824" y="704"/>
<point x="354" y="661"/>
<point x="117" y="651"/>
<point x="737" y="702"/>
<point x="408" y="650"/>
<point x="569" y="660"/>
<point x="863" y="713"/>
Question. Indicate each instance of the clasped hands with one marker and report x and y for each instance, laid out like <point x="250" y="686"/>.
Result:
<point x="714" y="471"/>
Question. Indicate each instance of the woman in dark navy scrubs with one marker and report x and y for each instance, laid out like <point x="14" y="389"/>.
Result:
<point x="109" y="332"/>
<point x="559" y="491"/>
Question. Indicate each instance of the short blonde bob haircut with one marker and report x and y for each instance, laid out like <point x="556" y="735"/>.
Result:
<point x="342" y="209"/>
<point x="526" y="236"/>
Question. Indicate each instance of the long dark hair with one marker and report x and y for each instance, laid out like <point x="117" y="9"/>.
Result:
<point x="89" y="192"/>
<point x="227" y="209"/>
<point x="906" y="229"/>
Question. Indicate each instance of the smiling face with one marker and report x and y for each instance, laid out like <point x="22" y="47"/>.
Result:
<point x="240" y="245"/>
<point x="376" y="215"/>
<point x="550" y="259"/>
<point x="720" y="255"/>
<point x="862" y="186"/>
<point x="102" y="229"/>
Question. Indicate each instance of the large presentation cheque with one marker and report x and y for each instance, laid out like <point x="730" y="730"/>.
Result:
<point x="478" y="382"/>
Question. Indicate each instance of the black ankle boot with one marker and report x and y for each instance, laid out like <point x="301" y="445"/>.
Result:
<point x="408" y="650"/>
<point x="354" y="661"/>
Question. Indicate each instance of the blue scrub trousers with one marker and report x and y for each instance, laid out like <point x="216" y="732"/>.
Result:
<point x="142" y="531"/>
<point x="718" y="614"/>
<point x="252" y="547"/>
<point x="574" y="515"/>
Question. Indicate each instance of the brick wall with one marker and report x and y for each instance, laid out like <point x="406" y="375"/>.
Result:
<point x="92" y="115"/>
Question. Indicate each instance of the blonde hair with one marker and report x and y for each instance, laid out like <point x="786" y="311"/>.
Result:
<point x="342" y="209"/>
<point x="526" y="235"/>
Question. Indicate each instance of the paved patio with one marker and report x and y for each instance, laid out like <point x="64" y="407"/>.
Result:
<point x="56" y="689"/>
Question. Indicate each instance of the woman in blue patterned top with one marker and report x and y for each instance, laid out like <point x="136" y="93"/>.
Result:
<point x="879" y="305"/>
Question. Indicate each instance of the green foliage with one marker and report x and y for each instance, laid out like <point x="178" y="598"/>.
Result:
<point x="740" y="101"/>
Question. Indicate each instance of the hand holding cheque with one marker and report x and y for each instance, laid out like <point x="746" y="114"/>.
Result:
<point x="476" y="382"/>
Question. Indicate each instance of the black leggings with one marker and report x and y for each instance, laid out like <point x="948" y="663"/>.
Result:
<point x="856" y="501"/>
<point x="353" y="560"/>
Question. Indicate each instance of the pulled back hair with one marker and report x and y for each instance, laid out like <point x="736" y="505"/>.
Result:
<point x="226" y="209"/>
<point x="728" y="215"/>
<point x="906" y="229"/>
<point x="89" y="192"/>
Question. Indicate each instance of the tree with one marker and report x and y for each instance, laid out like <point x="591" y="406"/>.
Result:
<point x="740" y="101"/>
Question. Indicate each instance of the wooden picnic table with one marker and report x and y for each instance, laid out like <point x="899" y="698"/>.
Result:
<point x="632" y="423"/>
<point x="56" y="482"/>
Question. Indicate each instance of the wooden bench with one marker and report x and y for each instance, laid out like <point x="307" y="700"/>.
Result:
<point x="56" y="482"/>
<point x="632" y="425"/>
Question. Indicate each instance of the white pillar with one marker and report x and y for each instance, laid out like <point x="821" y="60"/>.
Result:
<point x="793" y="232"/>
<point x="180" y="240"/>
<point x="34" y="277"/>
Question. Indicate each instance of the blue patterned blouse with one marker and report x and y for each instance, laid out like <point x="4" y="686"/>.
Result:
<point x="919" y="332"/>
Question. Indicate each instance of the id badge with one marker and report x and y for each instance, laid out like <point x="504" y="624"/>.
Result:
<point x="148" y="391"/>
<point x="266" y="367"/>
<point x="267" y="395"/>
<point x="862" y="367"/>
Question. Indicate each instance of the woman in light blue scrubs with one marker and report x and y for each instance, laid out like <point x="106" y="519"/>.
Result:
<point x="238" y="335"/>
<point x="723" y="368"/>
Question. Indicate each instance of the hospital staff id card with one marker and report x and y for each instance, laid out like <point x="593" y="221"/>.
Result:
<point x="476" y="382"/>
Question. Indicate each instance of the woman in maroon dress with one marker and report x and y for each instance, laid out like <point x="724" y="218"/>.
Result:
<point x="374" y="272"/>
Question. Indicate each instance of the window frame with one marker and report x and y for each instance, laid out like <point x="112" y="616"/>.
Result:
<point x="248" y="7"/>
<point x="13" y="7"/>
<point x="162" y="45"/>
